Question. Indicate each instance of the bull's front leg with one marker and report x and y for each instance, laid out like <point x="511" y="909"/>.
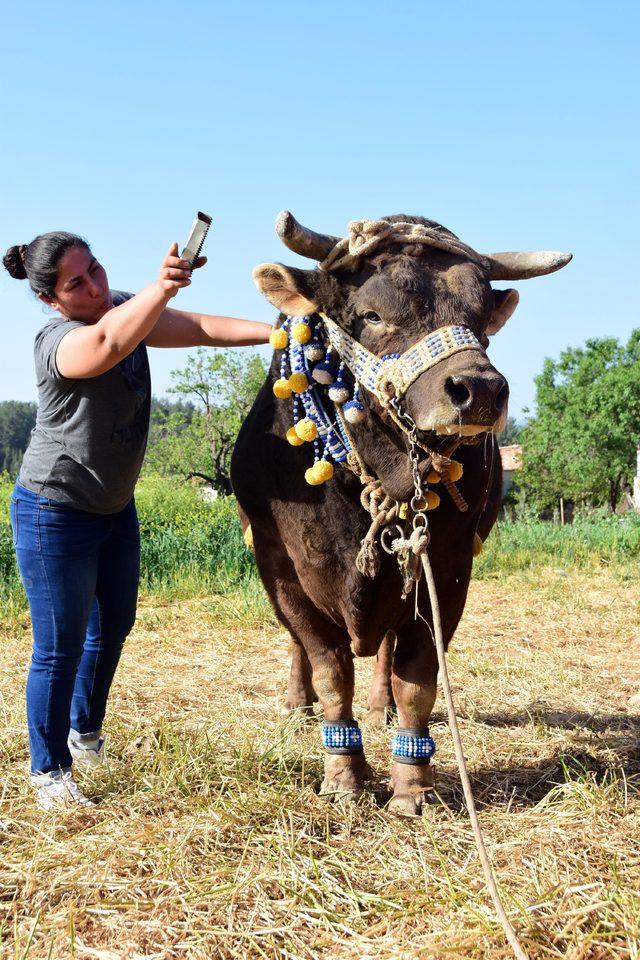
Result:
<point x="414" y="675"/>
<point x="345" y="767"/>
<point x="325" y="647"/>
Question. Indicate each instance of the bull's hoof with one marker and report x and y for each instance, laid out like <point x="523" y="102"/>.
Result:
<point x="332" y="790"/>
<point x="413" y="788"/>
<point x="345" y="776"/>
<point x="411" y="804"/>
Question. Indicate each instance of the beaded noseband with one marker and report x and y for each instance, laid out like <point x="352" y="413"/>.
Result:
<point x="391" y="376"/>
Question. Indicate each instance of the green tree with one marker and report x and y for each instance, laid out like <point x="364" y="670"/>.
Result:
<point x="17" y="420"/>
<point x="194" y="437"/>
<point x="581" y="444"/>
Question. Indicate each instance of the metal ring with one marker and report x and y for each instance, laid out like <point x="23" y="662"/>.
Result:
<point x="387" y="533"/>
<point x="418" y="503"/>
<point x="420" y="521"/>
<point x="389" y="389"/>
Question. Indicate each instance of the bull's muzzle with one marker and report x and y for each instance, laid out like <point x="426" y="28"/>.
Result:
<point x="465" y="394"/>
<point x="487" y="394"/>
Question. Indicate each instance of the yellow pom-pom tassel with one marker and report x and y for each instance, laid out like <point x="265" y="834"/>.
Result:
<point x="247" y="536"/>
<point x="279" y="339"/>
<point x="311" y="478"/>
<point x="432" y="500"/>
<point x="323" y="470"/>
<point x="455" y="471"/>
<point x="306" y="429"/>
<point x="293" y="437"/>
<point x="282" y="389"/>
<point x="301" y="333"/>
<point x="298" y="382"/>
<point x="433" y="476"/>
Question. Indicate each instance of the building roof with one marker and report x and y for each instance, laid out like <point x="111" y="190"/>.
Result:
<point x="511" y="457"/>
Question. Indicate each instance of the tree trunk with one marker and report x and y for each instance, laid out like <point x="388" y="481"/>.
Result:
<point x="223" y="482"/>
<point x="614" y="493"/>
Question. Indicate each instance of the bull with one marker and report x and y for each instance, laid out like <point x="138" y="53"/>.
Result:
<point x="395" y="289"/>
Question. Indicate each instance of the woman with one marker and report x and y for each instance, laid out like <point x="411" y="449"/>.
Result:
<point x="73" y="515"/>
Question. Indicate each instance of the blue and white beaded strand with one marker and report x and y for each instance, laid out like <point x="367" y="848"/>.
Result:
<point x="412" y="745"/>
<point x="342" y="737"/>
<point x="323" y="372"/>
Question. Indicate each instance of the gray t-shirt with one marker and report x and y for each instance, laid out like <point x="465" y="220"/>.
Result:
<point x="87" y="446"/>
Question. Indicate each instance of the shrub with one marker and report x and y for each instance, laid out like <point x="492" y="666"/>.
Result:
<point x="190" y="547"/>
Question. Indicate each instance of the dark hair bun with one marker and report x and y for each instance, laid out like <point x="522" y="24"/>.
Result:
<point x="14" y="262"/>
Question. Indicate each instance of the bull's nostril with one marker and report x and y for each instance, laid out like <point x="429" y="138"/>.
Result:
<point x="458" y="392"/>
<point x="502" y="397"/>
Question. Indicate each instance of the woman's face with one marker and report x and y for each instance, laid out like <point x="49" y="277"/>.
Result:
<point x="82" y="289"/>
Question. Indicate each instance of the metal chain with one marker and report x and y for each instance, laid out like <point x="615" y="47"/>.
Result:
<point x="408" y="547"/>
<point x="418" y="502"/>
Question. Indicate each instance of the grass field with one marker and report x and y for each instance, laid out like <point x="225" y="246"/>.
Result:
<point x="210" y="840"/>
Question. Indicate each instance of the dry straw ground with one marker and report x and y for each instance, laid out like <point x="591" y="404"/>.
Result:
<point x="210" y="840"/>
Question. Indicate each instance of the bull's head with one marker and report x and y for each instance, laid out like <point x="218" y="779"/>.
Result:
<point x="388" y="289"/>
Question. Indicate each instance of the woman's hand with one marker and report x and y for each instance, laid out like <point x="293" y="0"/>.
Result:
<point x="94" y="348"/>
<point x="176" y="273"/>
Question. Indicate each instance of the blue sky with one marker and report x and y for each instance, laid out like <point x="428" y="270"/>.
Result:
<point x="515" y="125"/>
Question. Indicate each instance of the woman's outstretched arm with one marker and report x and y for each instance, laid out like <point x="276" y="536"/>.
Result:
<point x="179" y="328"/>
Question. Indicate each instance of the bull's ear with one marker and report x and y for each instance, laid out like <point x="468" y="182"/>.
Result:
<point x="287" y="288"/>
<point x="505" y="302"/>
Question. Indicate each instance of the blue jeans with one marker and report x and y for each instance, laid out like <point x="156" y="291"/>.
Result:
<point x="80" y="572"/>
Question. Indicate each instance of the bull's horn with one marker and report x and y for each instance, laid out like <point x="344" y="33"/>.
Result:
<point x="523" y="266"/>
<point x="301" y="240"/>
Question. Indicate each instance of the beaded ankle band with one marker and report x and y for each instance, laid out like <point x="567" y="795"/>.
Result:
<point x="412" y="745"/>
<point x="343" y="736"/>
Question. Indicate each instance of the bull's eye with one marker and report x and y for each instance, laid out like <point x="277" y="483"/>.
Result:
<point x="371" y="317"/>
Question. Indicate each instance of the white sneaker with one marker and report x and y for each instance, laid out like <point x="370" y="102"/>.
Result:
<point x="87" y="749"/>
<point x="58" y="789"/>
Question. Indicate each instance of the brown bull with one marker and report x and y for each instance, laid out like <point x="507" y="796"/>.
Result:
<point x="388" y="290"/>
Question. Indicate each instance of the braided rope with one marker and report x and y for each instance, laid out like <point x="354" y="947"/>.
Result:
<point x="416" y="543"/>
<point x="385" y="379"/>
<point x="383" y="510"/>
<point x="367" y="236"/>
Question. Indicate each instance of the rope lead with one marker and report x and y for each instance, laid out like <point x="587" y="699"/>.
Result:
<point x="505" y="923"/>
